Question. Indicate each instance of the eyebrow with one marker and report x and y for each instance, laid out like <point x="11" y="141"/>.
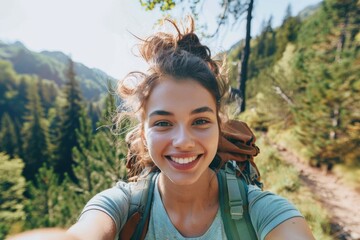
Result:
<point x="195" y="111"/>
<point x="160" y="112"/>
<point x="201" y="110"/>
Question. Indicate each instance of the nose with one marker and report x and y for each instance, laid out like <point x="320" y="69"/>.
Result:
<point x="183" y="139"/>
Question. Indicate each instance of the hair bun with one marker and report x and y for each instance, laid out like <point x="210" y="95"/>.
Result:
<point x="191" y="43"/>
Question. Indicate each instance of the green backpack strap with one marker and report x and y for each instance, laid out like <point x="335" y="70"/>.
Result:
<point x="234" y="205"/>
<point x="139" y="211"/>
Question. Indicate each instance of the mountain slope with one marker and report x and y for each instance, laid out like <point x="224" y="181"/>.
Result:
<point x="53" y="66"/>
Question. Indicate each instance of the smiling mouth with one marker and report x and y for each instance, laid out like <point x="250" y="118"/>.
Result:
<point x="186" y="160"/>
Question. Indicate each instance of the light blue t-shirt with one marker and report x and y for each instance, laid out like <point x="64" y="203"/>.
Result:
<point x="161" y="227"/>
<point x="266" y="210"/>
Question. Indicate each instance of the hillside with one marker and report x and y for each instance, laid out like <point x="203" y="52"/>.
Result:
<point x="303" y="93"/>
<point x="303" y="80"/>
<point x="52" y="66"/>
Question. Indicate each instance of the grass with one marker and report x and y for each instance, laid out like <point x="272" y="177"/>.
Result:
<point x="283" y="179"/>
<point x="348" y="174"/>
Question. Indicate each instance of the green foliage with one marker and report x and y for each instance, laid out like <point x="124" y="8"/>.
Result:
<point x="287" y="33"/>
<point x="12" y="187"/>
<point x="70" y="121"/>
<point x="8" y="137"/>
<point x="48" y="91"/>
<point x="8" y="80"/>
<point x="109" y="109"/>
<point x="99" y="160"/>
<point x="164" y="5"/>
<point x="328" y="100"/>
<point x="52" y="66"/>
<point x="35" y="135"/>
<point x="109" y="145"/>
<point x="52" y="197"/>
<point x="50" y="202"/>
<point x="88" y="171"/>
<point x="312" y="83"/>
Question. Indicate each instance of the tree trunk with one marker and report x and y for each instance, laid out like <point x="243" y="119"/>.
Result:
<point x="245" y="58"/>
<point x="342" y="38"/>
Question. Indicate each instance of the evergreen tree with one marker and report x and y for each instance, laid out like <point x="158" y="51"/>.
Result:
<point x="12" y="187"/>
<point x="314" y="87"/>
<point x="261" y="39"/>
<point x="98" y="160"/>
<point x="20" y="99"/>
<point x="109" y="108"/>
<point x="111" y="151"/>
<point x="35" y="135"/>
<point x="70" y="121"/>
<point x="8" y="81"/>
<point x="288" y="13"/>
<point x="109" y="146"/>
<point x="270" y="42"/>
<point x="50" y="203"/>
<point x="86" y="167"/>
<point x="327" y="103"/>
<point x="54" y="131"/>
<point x="94" y="114"/>
<point x="8" y="137"/>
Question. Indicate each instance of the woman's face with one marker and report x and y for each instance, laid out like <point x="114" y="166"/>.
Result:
<point x="181" y="129"/>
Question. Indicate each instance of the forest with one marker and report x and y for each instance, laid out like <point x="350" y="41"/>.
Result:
<point x="59" y="144"/>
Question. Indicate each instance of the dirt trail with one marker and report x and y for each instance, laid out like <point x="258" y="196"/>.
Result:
<point x="341" y="201"/>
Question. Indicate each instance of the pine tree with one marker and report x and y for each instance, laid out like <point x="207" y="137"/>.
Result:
<point x="8" y="81"/>
<point x="109" y="108"/>
<point x="8" y="137"/>
<point x="12" y="187"/>
<point x="111" y="150"/>
<point x="86" y="167"/>
<point x="270" y="43"/>
<point x="98" y="160"/>
<point x="288" y="13"/>
<point x="94" y="114"/>
<point x="109" y="146"/>
<point x="70" y="121"/>
<point x="287" y="32"/>
<point x="20" y="105"/>
<point x="35" y="135"/>
<point x="327" y="100"/>
<point x="50" y="202"/>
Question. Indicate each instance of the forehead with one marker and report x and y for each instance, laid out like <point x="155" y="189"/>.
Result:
<point x="179" y="94"/>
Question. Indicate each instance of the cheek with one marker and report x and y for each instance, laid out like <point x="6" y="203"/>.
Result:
<point x="210" y="139"/>
<point x="210" y="135"/>
<point x="155" y="142"/>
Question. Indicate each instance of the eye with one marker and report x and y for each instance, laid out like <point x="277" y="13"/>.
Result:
<point x="201" y="122"/>
<point x="162" y="124"/>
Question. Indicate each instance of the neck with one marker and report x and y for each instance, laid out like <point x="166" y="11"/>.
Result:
<point x="199" y="195"/>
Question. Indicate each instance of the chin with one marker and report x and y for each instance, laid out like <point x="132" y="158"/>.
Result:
<point x="183" y="179"/>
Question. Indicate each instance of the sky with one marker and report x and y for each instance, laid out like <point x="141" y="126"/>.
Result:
<point x="99" y="33"/>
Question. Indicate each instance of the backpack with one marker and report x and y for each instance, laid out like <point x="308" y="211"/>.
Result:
<point x="236" y="149"/>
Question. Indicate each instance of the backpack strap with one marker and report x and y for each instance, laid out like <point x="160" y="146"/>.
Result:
<point x="139" y="211"/>
<point x="234" y="205"/>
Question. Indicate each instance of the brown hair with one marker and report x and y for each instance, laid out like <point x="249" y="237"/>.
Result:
<point x="180" y="56"/>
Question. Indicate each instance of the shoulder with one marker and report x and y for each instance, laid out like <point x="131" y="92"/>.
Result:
<point x="114" y="202"/>
<point x="268" y="210"/>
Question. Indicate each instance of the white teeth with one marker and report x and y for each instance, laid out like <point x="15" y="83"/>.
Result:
<point x="183" y="160"/>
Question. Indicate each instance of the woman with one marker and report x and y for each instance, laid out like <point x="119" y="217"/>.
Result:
<point x="178" y="104"/>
